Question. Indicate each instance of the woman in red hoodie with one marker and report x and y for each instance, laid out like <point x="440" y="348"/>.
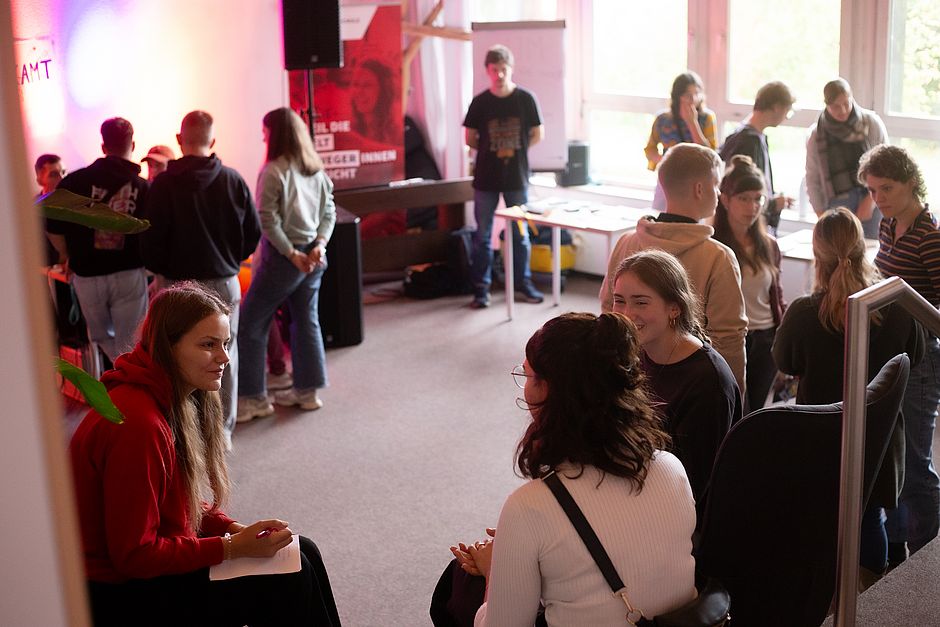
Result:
<point x="149" y="490"/>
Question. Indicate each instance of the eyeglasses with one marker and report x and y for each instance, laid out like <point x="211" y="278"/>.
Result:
<point x="760" y="199"/>
<point x="519" y="375"/>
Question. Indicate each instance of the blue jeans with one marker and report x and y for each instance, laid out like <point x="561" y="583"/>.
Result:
<point x="917" y="518"/>
<point x="113" y="305"/>
<point x="484" y="206"/>
<point x="229" y="290"/>
<point x="850" y="200"/>
<point x="273" y="281"/>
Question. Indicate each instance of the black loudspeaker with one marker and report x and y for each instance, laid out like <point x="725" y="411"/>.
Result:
<point x="340" y="303"/>
<point x="311" y="34"/>
<point x="577" y="171"/>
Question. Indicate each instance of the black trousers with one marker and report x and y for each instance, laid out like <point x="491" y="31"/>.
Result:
<point x="761" y="368"/>
<point x="304" y="598"/>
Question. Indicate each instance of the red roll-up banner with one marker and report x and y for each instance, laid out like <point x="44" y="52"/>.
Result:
<point x="359" y="127"/>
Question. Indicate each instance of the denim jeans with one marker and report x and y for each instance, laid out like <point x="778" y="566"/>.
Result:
<point x="850" y="200"/>
<point x="917" y="518"/>
<point x="113" y="305"/>
<point x="761" y="368"/>
<point x="229" y="290"/>
<point x="484" y="206"/>
<point x="273" y="281"/>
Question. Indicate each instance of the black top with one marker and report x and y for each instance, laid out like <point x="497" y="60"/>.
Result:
<point x="115" y="182"/>
<point x="502" y="163"/>
<point x="203" y="223"/>
<point x="747" y="140"/>
<point x="701" y="401"/>
<point x="804" y="348"/>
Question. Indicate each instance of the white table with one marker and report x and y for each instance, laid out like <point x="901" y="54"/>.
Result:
<point x="575" y="216"/>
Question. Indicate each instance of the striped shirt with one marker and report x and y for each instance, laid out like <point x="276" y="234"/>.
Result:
<point x="915" y="256"/>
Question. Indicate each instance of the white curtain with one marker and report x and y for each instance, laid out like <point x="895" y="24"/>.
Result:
<point x="441" y="84"/>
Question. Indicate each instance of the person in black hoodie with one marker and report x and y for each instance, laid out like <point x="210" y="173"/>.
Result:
<point x="107" y="271"/>
<point x="203" y="224"/>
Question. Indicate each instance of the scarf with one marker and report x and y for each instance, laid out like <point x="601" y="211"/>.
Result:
<point x="840" y="146"/>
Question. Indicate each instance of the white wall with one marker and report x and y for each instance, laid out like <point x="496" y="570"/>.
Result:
<point x="152" y="62"/>
<point x="41" y="579"/>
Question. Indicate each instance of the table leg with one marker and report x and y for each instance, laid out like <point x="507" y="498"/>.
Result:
<point x="556" y="264"/>
<point x="507" y="265"/>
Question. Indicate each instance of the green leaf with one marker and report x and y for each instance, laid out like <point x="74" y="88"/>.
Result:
<point x="66" y="206"/>
<point x="96" y="395"/>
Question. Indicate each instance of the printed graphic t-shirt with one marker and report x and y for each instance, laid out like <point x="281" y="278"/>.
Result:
<point x="503" y="125"/>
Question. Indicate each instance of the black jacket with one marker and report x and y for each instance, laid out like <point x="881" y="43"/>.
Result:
<point x="115" y="182"/>
<point x="203" y="223"/>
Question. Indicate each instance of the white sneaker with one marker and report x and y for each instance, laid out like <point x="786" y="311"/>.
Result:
<point x="250" y="408"/>
<point x="305" y="400"/>
<point x="280" y="381"/>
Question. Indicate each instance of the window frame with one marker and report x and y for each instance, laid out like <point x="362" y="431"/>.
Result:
<point x="862" y="24"/>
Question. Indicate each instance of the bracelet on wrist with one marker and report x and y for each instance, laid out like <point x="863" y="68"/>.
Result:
<point x="227" y="546"/>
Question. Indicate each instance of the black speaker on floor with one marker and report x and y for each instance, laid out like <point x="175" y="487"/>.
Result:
<point x="340" y="303"/>
<point x="311" y="34"/>
<point x="577" y="171"/>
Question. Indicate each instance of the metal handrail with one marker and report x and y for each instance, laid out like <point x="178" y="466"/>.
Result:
<point x="858" y="309"/>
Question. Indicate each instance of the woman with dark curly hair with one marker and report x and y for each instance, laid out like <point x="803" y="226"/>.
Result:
<point x="593" y="426"/>
<point x="910" y="249"/>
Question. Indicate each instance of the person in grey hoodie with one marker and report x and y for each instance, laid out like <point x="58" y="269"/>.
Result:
<point x="690" y="175"/>
<point x="203" y="224"/>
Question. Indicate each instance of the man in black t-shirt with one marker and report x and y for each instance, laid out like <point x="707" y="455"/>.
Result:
<point x="501" y="124"/>
<point x="108" y="274"/>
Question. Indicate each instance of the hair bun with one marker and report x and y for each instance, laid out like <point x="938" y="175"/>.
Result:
<point x="741" y="160"/>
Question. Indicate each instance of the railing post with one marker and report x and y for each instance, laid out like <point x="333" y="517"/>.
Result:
<point x="857" y="311"/>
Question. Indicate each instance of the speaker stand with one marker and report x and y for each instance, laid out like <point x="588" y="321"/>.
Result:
<point x="311" y="112"/>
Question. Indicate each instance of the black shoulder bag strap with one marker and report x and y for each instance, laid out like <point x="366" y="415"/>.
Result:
<point x="592" y="542"/>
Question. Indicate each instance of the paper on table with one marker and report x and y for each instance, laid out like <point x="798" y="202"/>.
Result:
<point x="287" y="560"/>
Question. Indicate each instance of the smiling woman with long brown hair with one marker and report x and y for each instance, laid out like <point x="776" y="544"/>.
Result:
<point x="150" y="490"/>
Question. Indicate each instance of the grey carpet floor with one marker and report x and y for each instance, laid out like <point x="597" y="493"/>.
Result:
<point x="412" y="452"/>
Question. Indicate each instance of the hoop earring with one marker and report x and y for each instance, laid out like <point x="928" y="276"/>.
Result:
<point x="673" y="322"/>
<point x="521" y="404"/>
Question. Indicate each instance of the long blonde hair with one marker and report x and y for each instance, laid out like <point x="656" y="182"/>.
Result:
<point x="841" y="266"/>
<point x="195" y="419"/>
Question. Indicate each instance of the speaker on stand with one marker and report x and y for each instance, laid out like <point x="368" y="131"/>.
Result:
<point x="311" y="40"/>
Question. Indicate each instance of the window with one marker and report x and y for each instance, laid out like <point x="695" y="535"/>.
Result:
<point x="620" y="39"/>
<point x="914" y="58"/>
<point x="799" y="46"/>
<point x="621" y="95"/>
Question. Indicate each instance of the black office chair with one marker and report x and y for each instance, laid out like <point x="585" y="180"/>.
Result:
<point x="769" y="528"/>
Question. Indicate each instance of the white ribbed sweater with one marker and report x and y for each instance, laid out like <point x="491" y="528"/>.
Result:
<point x="538" y="555"/>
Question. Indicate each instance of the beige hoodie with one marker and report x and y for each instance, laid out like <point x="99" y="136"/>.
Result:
<point x="713" y="271"/>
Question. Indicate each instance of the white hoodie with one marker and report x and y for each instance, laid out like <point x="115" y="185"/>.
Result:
<point x="713" y="271"/>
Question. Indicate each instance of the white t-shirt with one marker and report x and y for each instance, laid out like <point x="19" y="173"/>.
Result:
<point x="538" y="555"/>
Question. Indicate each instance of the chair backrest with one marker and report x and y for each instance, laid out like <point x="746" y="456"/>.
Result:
<point x="769" y="527"/>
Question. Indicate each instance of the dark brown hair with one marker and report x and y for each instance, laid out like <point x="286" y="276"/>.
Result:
<point x="117" y="136"/>
<point x="895" y="163"/>
<point x="44" y="159"/>
<point x="743" y="176"/>
<point x="773" y="94"/>
<point x="835" y="88"/>
<point x="679" y="86"/>
<point x="666" y="276"/>
<point x="498" y="54"/>
<point x="596" y="411"/>
<point x="195" y="419"/>
<point x="289" y="137"/>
